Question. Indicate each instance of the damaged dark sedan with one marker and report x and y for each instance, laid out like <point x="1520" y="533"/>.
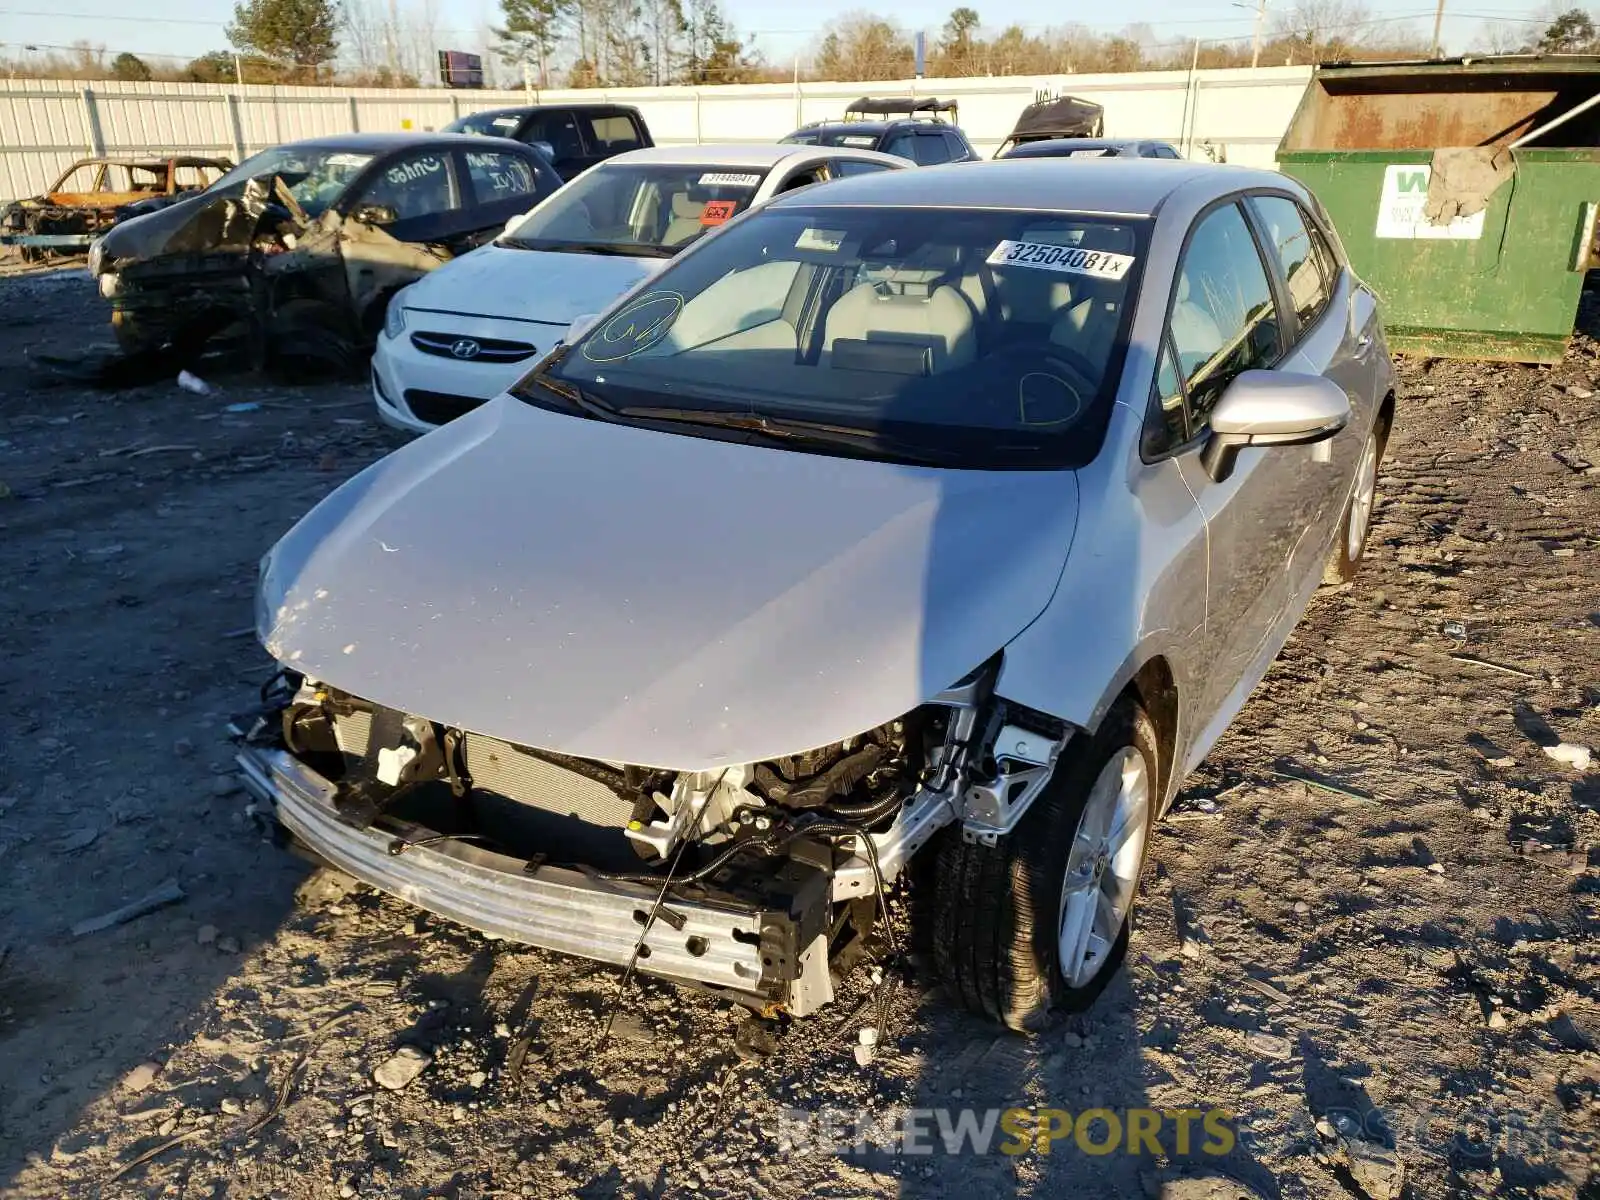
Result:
<point x="300" y="247"/>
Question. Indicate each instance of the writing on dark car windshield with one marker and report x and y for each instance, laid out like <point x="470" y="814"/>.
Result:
<point x="995" y="336"/>
<point x="648" y="209"/>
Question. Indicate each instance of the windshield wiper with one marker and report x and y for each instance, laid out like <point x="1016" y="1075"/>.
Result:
<point x="586" y="404"/>
<point x="799" y="429"/>
<point x="610" y="249"/>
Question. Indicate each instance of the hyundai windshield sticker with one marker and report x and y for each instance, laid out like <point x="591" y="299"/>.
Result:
<point x="1101" y="264"/>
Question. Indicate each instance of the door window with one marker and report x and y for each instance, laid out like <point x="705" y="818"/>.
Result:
<point x="1170" y="427"/>
<point x="930" y="148"/>
<point x="613" y="135"/>
<point x="560" y="130"/>
<point x="1300" y="254"/>
<point x="846" y="168"/>
<point x="415" y="185"/>
<point x="900" y="144"/>
<point x="1223" y="317"/>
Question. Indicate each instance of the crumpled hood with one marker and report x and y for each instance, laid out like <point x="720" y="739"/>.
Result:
<point x="531" y="285"/>
<point x="658" y="599"/>
<point x="199" y="219"/>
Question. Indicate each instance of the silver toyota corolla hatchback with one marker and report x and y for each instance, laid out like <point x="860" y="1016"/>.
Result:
<point x="924" y="524"/>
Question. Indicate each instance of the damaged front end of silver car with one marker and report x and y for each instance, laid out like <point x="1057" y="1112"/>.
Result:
<point x="762" y="882"/>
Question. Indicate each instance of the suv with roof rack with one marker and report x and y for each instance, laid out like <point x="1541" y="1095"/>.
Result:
<point x="921" y="135"/>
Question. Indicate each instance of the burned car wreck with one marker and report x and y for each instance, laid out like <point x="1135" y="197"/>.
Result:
<point x="94" y="194"/>
<point x="299" y="248"/>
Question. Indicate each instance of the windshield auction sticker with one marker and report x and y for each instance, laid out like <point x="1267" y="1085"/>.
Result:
<point x="826" y="240"/>
<point x="717" y="211"/>
<point x="1102" y="264"/>
<point x="716" y="179"/>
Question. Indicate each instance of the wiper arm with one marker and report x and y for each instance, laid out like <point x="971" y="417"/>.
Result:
<point x="609" y="249"/>
<point x="798" y="429"/>
<point x="576" y="397"/>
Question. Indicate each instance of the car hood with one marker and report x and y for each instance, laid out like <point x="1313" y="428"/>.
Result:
<point x="529" y="285"/>
<point x="654" y="598"/>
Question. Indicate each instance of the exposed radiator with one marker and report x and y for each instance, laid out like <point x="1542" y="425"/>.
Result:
<point x="500" y="767"/>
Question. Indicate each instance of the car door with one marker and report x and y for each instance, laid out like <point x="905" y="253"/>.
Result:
<point x="418" y="194"/>
<point x="1224" y="319"/>
<point x="1335" y="324"/>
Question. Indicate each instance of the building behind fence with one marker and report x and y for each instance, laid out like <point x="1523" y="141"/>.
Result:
<point x="1232" y="115"/>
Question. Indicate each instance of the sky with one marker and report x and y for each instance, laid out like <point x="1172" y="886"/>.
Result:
<point x="780" y="28"/>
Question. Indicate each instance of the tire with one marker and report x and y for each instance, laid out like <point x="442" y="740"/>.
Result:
<point x="998" y="911"/>
<point x="131" y="335"/>
<point x="1355" y="526"/>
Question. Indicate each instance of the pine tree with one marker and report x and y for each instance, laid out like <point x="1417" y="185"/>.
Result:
<point x="302" y="32"/>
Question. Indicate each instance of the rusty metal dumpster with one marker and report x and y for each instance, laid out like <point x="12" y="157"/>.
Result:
<point x="1465" y="193"/>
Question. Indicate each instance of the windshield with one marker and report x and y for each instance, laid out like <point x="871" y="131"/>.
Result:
<point x="635" y="208"/>
<point x="985" y="338"/>
<point x="487" y="124"/>
<point x="835" y="136"/>
<point x="315" y="177"/>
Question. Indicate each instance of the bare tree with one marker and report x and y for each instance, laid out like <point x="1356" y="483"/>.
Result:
<point x="1320" y="29"/>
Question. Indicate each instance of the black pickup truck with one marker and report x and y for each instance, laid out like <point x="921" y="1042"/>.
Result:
<point x="573" y="136"/>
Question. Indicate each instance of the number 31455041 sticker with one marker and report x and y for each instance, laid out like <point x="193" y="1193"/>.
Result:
<point x="1102" y="264"/>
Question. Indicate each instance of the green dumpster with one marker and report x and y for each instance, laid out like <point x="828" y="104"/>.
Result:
<point x="1465" y="193"/>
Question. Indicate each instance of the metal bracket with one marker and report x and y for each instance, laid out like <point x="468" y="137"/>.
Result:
<point x="991" y="808"/>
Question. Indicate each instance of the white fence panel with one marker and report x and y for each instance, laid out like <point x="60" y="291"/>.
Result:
<point x="1238" y="115"/>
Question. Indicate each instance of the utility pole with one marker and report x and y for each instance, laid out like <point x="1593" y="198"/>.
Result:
<point x="1255" y="45"/>
<point x="238" y="68"/>
<point x="1438" y="23"/>
<point x="393" y="43"/>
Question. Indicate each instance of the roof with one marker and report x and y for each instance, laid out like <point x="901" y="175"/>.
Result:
<point x="756" y="155"/>
<point x="1063" y="115"/>
<point x="522" y="110"/>
<point x="380" y="143"/>
<point x="892" y="105"/>
<point x="1124" y="186"/>
<point x="861" y="127"/>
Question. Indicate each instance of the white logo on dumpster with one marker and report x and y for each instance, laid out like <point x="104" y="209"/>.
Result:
<point x="1400" y="208"/>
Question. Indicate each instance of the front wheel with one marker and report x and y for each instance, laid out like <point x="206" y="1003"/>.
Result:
<point x="1039" y="923"/>
<point x="1344" y="560"/>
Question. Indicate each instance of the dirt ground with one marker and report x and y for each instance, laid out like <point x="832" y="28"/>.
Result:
<point x="1402" y="952"/>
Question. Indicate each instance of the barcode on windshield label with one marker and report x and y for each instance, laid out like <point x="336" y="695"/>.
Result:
<point x="723" y="179"/>
<point x="1102" y="264"/>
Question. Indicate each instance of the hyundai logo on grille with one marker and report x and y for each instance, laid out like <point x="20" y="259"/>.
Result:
<point x="464" y="348"/>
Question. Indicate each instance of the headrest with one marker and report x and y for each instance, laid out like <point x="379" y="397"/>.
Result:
<point x="686" y="207"/>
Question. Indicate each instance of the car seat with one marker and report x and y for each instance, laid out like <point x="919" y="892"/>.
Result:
<point x="685" y="223"/>
<point x="907" y="307"/>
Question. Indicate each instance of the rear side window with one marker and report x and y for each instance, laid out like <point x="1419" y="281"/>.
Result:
<point x="1301" y="255"/>
<point x="954" y="145"/>
<point x="613" y="135"/>
<point x="1223" y="319"/>
<point x="496" y="176"/>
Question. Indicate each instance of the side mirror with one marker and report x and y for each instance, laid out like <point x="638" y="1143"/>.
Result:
<point x="375" y="214"/>
<point x="1272" y="408"/>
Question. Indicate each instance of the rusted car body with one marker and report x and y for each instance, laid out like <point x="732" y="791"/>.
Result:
<point x="93" y="194"/>
<point x="302" y="246"/>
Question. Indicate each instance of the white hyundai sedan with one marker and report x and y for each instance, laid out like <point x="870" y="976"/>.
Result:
<point x="466" y="332"/>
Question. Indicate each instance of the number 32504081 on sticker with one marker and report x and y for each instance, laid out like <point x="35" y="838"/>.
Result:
<point x="1102" y="264"/>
